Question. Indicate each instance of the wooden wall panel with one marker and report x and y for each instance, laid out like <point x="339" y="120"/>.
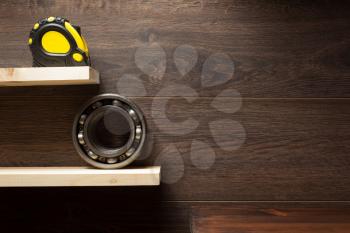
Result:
<point x="294" y="149"/>
<point x="66" y="210"/>
<point x="279" y="48"/>
<point x="284" y="218"/>
<point x="292" y="69"/>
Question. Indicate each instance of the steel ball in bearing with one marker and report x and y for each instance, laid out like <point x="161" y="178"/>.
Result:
<point x="109" y="131"/>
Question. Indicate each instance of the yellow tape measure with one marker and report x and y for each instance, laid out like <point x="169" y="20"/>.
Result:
<point x="54" y="41"/>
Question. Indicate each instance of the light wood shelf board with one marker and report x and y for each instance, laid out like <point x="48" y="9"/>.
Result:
<point x="78" y="176"/>
<point x="37" y="76"/>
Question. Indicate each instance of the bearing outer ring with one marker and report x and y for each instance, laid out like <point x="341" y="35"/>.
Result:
<point x="124" y="155"/>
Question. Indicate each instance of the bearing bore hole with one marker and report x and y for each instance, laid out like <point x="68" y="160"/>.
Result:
<point x="109" y="130"/>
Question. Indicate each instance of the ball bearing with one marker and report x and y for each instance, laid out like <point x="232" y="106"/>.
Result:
<point x="109" y="131"/>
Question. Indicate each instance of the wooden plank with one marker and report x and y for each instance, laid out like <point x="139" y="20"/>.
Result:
<point x="233" y="219"/>
<point x="38" y="76"/>
<point x="77" y="176"/>
<point x="279" y="49"/>
<point x="295" y="149"/>
<point x="74" y="209"/>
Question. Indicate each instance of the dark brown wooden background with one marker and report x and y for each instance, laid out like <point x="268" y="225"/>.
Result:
<point x="292" y="68"/>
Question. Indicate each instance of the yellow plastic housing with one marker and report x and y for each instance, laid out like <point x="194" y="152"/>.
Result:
<point x="55" y="42"/>
<point x="78" y="39"/>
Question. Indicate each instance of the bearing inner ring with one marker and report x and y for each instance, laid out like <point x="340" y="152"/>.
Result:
<point x="104" y="141"/>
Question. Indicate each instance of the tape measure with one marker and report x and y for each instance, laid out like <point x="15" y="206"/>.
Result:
<point x="54" y="41"/>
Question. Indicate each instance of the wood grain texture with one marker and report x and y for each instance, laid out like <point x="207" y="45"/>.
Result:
<point x="295" y="149"/>
<point x="40" y="76"/>
<point x="234" y="219"/>
<point x="78" y="176"/>
<point x="133" y="209"/>
<point x="291" y="66"/>
<point x="279" y="48"/>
